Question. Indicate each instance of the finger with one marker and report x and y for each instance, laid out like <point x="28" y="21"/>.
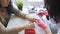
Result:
<point x="32" y="25"/>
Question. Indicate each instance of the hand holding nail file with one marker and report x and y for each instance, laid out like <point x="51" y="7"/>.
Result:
<point x="32" y="31"/>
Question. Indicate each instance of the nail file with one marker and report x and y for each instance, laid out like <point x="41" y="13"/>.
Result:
<point x="40" y="24"/>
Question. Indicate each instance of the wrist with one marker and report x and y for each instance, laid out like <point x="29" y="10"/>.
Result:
<point x="47" y="31"/>
<point x="20" y="28"/>
<point x="27" y="16"/>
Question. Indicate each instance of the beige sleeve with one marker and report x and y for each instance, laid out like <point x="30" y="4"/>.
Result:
<point x="17" y="11"/>
<point x="4" y="30"/>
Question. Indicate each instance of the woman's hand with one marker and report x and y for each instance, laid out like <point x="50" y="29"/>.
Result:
<point x="29" y="26"/>
<point x="26" y="26"/>
<point x="30" y="18"/>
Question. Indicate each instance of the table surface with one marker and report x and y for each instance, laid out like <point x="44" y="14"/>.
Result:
<point x="15" y="22"/>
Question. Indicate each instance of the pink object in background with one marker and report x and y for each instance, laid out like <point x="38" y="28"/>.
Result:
<point x="42" y="13"/>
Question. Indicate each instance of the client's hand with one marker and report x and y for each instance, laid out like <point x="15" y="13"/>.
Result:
<point x="26" y="26"/>
<point x="30" y="18"/>
<point x="29" y="26"/>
